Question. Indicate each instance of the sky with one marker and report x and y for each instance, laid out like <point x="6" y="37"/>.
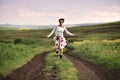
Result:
<point x="47" y="12"/>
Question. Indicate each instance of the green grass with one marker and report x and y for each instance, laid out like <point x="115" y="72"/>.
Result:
<point x="106" y="54"/>
<point x="6" y="28"/>
<point x="98" y="52"/>
<point x="13" y="56"/>
<point x="65" y="69"/>
<point x="106" y="31"/>
<point x="99" y="32"/>
<point x="34" y="42"/>
<point x="23" y="34"/>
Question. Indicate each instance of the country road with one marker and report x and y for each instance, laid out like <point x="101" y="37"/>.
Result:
<point x="34" y="70"/>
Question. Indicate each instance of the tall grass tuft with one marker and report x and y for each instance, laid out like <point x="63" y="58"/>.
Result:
<point x="99" y="52"/>
<point x="13" y="56"/>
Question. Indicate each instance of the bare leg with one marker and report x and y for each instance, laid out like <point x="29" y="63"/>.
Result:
<point x="61" y="53"/>
<point x="57" y="50"/>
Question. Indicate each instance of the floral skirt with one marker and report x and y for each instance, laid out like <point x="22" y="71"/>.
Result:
<point x="60" y="42"/>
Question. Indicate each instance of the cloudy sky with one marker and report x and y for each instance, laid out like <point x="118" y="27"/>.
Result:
<point x="45" y="12"/>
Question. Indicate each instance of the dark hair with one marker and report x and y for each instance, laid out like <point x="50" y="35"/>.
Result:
<point x="62" y="19"/>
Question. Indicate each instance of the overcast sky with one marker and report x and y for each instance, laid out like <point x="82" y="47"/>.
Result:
<point x="45" y="12"/>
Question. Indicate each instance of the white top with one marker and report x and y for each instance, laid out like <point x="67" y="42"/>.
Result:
<point x="59" y="31"/>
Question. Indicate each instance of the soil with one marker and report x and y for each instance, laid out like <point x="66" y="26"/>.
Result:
<point x="90" y="71"/>
<point x="33" y="70"/>
<point x="84" y="72"/>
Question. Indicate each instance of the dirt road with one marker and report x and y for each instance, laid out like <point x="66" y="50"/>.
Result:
<point x="90" y="71"/>
<point x="84" y="73"/>
<point x="34" y="70"/>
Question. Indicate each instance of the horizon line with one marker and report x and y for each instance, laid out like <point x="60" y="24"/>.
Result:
<point x="64" y="23"/>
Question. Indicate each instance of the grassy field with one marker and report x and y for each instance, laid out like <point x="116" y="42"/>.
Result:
<point x="6" y="28"/>
<point x="101" y="52"/>
<point x="65" y="69"/>
<point x="15" y="52"/>
<point x="99" y="44"/>
<point x="12" y="56"/>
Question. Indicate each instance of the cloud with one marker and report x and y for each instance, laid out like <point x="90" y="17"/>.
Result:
<point x="21" y="14"/>
<point x="112" y="14"/>
<point x="24" y="15"/>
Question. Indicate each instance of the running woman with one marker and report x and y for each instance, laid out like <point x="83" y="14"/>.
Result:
<point x="59" y="39"/>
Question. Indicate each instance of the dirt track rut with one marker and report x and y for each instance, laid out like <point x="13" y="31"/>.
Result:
<point x="33" y="70"/>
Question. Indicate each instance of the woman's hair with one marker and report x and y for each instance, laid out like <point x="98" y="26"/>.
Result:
<point x="61" y="19"/>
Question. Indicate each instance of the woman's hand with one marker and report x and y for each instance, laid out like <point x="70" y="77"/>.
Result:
<point x="47" y="36"/>
<point x="74" y="35"/>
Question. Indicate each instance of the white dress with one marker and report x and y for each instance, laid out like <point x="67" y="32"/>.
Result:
<point x="59" y="38"/>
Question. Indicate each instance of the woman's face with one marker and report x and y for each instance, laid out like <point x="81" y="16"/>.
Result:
<point x="61" y="21"/>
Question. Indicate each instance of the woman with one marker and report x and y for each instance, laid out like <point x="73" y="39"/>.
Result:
<point x="59" y="38"/>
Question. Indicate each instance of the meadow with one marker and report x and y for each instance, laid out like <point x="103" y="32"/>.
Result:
<point x="65" y="70"/>
<point x="99" y="44"/>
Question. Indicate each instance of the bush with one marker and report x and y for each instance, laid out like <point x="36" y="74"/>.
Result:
<point x="17" y="41"/>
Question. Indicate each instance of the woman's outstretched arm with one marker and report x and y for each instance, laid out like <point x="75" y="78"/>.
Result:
<point x="69" y="33"/>
<point x="52" y="32"/>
